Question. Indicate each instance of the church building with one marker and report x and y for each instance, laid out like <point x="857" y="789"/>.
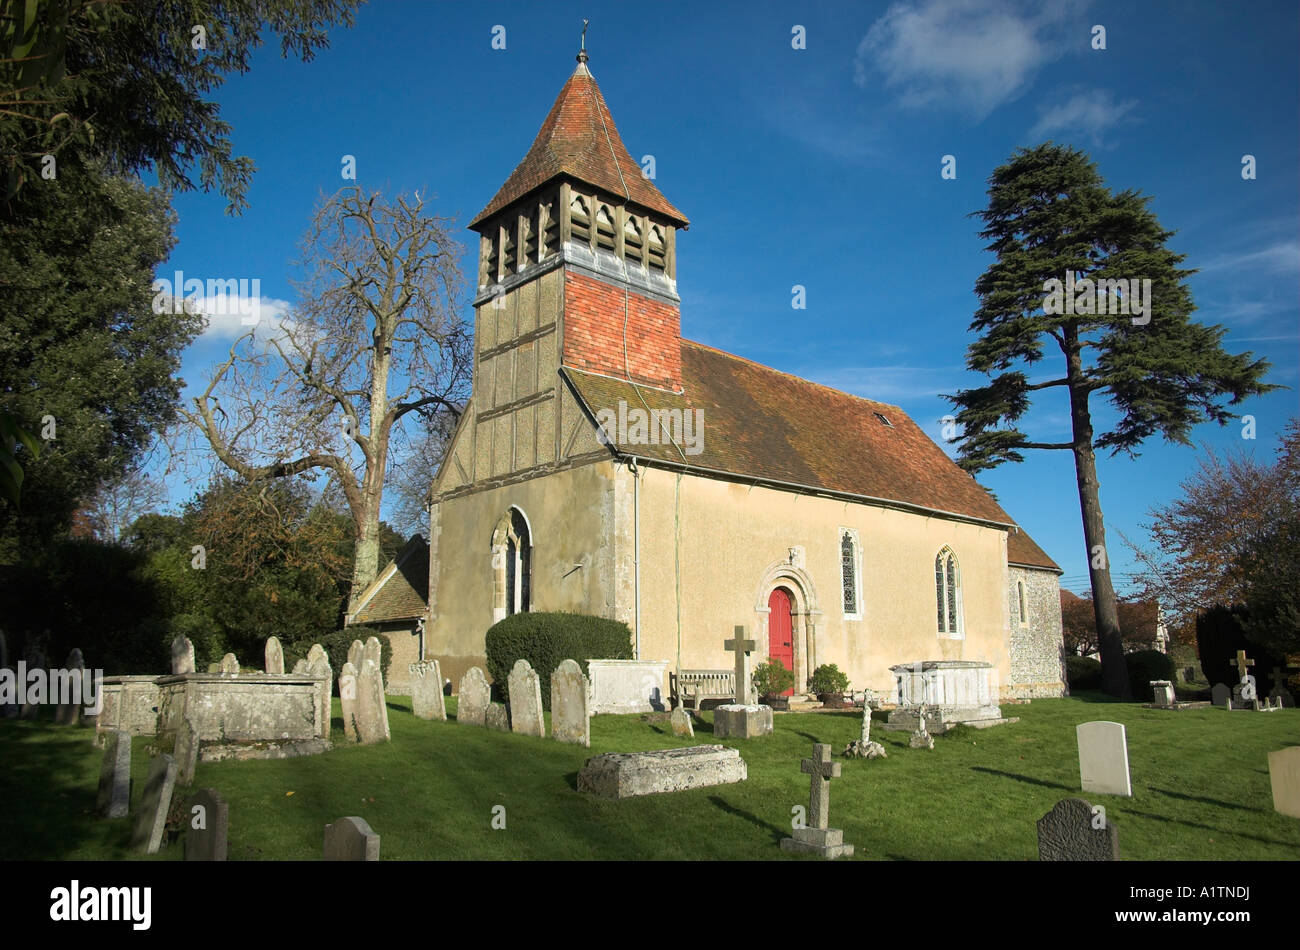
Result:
<point x="605" y="465"/>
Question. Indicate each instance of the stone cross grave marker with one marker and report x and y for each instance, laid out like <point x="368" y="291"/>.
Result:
<point x="526" y="700"/>
<point x="348" y="701"/>
<point x="114" y="798"/>
<point x="1103" y="758"/>
<point x="818" y="837"/>
<point x="155" y="803"/>
<point x="570" y="690"/>
<point x="1247" y="682"/>
<point x="182" y="655"/>
<point x="1284" y="776"/>
<point x="274" y="655"/>
<point x="1071" y="832"/>
<point x="426" y="690"/>
<point x="473" y="698"/>
<point x="742" y="648"/>
<point x="350" y="839"/>
<point x="207" y="825"/>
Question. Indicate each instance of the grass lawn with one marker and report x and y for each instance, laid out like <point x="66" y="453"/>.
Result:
<point x="1200" y="791"/>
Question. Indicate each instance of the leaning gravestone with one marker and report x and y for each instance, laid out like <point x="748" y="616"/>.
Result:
<point x="348" y="701"/>
<point x="318" y="664"/>
<point x="1103" y="758"/>
<point x="350" y="839"/>
<point x="426" y="690"/>
<point x="472" y="701"/>
<point x="1220" y="695"/>
<point x="1071" y="832"/>
<point x="817" y="837"/>
<point x="155" y="803"/>
<point x="372" y="708"/>
<point x="114" y="799"/>
<point x="1284" y="776"/>
<point x="182" y="656"/>
<point x="680" y="720"/>
<point x="497" y="717"/>
<point x="526" y="700"/>
<point x="207" y="825"/>
<point x="69" y="713"/>
<point x="187" y="750"/>
<point x="570" y="721"/>
<point x="274" y="655"/>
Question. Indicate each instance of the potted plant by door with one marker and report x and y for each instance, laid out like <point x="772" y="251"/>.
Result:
<point x="830" y="685"/>
<point x="771" y="679"/>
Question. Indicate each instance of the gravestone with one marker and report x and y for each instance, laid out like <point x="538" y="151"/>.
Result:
<point x="629" y="774"/>
<point x="372" y="708"/>
<point x="1071" y="832"/>
<point x="318" y="664"/>
<point x="354" y="653"/>
<point x="473" y="697"/>
<point x="274" y="655"/>
<point x="182" y="656"/>
<point x="497" y="717"/>
<point x="207" y="825"/>
<point x="818" y="837"/>
<point x="155" y="803"/>
<point x="35" y="659"/>
<point x="348" y="701"/>
<point x="526" y="700"/>
<point x="1284" y="776"/>
<point x="1279" y="691"/>
<point x="187" y="750"/>
<point x="114" y="798"/>
<point x="1220" y="695"/>
<point x="741" y="647"/>
<point x="229" y="664"/>
<point x="350" y="839"/>
<point x="426" y="690"/>
<point x="69" y="714"/>
<point x="742" y="722"/>
<point x="1163" y="692"/>
<point x="862" y="747"/>
<point x="921" y="738"/>
<point x="300" y="667"/>
<point x="680" y="720"/>
<point x="1103" y="758"/>
<point x="570" y="721"/>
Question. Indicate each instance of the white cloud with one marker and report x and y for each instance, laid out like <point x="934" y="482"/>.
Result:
<point x="1090" y="113"/>
<point x="1280" y="258"/>
<point x="973" y="55"/>
<point x="231" y="316"/>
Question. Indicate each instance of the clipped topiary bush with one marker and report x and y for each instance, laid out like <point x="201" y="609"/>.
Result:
<point x="1083" y="672"/>
<point x="1145" y="666"/>
<point x="547" y="639"/>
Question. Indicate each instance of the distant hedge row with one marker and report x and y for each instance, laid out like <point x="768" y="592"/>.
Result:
<point x="1083" y="672"/>
<point x="547" y="639"/>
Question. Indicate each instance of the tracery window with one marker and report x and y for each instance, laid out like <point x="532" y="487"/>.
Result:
<point x="947" y="589"/>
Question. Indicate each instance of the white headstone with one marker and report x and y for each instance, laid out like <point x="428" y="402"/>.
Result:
<point x="426" y="690"/>
<point x="1284" y="775"/>
<point x="1103" y="758"/>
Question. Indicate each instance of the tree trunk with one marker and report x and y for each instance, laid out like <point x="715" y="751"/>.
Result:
<point x="365" y="560"/>
<point x="1114" y="670"/>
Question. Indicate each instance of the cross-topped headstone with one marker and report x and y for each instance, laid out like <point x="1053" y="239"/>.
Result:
<point x="742" y="647"/>
<point x="1243" y="663"/>
<point x="822" y="770"/>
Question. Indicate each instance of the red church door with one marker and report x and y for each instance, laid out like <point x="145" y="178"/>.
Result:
<point x="780" y="630"/>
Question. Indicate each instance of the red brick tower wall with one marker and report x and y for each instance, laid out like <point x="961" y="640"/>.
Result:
<point x="593" y="333"/>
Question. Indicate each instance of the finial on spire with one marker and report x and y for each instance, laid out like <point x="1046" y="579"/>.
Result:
<point x="582" y="51"/>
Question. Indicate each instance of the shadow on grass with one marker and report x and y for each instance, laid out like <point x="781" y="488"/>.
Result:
<point x="1197" y="824"/>
<point x="1021" y="778"/>
<point x="1097" y="696"/>
<point x="776" y="833"/>
<point x="1217" y="802"/>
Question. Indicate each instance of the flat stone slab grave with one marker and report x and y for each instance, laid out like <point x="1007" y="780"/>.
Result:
<point x="628" y="774"/>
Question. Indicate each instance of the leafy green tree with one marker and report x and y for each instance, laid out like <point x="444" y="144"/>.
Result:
<point x="1088" y="270"/>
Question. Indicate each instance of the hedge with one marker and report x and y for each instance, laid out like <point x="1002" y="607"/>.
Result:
<point x="1145" y="666"/>
<point x="547" y="639"/>
<point x="1082" y="672"/>
<point x="336" y="644"/>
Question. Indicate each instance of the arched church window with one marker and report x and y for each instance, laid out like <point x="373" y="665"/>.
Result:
<point x="632" y="240"/>
<point x="947" y="587"/>
<point x="579" y="220"/>
<point x="512" y="556"/>
<point x="849" y="574"/>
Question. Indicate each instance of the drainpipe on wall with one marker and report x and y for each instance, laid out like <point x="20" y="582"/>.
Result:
<point x="636" y="556"/>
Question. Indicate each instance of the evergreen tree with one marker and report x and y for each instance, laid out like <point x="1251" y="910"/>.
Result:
<point x="1088" y="269"/>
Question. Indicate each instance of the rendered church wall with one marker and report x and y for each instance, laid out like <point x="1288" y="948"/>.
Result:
<point x="1037" y="654"/>
<point x="735" y="535"/>
<point x="570" y="514"/>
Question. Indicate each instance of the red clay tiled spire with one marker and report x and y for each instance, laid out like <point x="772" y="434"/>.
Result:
<point x="579" y="139"/>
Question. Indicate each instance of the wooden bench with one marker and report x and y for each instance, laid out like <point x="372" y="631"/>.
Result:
<point x="696" y="685"/>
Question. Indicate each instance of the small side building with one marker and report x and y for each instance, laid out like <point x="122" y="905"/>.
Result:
<point x="395" y="604"/>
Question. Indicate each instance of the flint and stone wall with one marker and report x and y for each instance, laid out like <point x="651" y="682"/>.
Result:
<point x="1037" y="649"/>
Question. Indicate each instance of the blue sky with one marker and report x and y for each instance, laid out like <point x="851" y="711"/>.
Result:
<point x="821" y="167"/>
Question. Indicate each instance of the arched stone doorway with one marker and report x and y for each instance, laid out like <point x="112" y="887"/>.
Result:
<point x="805" y="616"/>
<point x="512" y="561"/>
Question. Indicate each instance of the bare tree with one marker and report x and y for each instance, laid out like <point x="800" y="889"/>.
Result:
<point x="422" y="454"/>
<point x="116" y="506"/>
<point x="376" y="337"/>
